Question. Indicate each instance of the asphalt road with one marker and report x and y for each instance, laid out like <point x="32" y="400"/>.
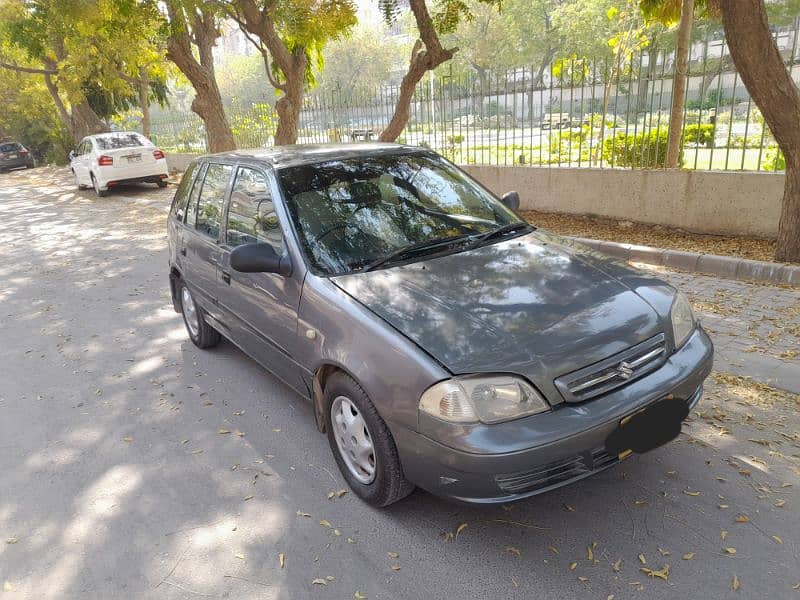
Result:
<point x="116" y="483"/>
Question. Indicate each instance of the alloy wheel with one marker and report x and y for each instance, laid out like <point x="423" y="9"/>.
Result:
<point x="190" y="312"/>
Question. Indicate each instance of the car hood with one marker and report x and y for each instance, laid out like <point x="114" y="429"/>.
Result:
<point x="537" y="304"/>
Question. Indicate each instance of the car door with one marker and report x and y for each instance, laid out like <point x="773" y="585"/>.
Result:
<point x="202" y="235"/>
<point x="259" y="308"/>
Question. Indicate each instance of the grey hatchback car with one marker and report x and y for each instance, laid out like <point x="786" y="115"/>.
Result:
<point x="443" y="341"/>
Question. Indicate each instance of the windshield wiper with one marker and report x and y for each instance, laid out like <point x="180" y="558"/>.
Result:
<point x="411" y="249"/>
<point x="498" y="232"/>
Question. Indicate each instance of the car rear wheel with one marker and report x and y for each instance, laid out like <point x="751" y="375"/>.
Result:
<point x="362" y="444"/>
<point x="161" y="183"/>
<point x="200" y="332"/>
<point x="100" y="193"/>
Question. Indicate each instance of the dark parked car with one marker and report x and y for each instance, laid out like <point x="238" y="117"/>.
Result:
<point x="14" y="155"/>
<point x="443" y="341"/>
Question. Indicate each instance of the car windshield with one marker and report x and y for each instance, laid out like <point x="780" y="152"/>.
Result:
<point x="10" y="147"/>
<point x="120" y="140"/>
<point x="352" y="213"/>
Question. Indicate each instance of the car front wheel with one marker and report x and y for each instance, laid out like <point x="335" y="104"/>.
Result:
<point x="362" y="444"/>
<point x="200" y="332"/>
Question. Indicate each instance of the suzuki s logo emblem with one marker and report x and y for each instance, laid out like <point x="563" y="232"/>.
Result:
<point x="625" y="370"/>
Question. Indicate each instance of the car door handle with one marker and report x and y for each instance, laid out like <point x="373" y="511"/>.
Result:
<point x="226" y="277"/>
<point x="183" y="251"/>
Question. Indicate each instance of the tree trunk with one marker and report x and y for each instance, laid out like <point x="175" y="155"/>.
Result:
<point x="422" y="60"/>
<point x="290" y="103"/>
<point x="85" y="121"/>
<point x="679" y="84"/>
<point x="761" y="67"/>
<point x="143" y="89"/>
<point x="208" y="101"/>
<point x="62" y="110"/>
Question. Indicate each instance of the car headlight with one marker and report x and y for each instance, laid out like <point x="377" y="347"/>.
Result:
<point x="484" y="398"/>
<point x="682" y="319"/>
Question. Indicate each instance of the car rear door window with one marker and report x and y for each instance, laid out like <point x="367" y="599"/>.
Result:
<point x="194" y="195"/>
<point x="212" y="199"/>
<point x="182" y="194"/>
<point x="251" y="214"/>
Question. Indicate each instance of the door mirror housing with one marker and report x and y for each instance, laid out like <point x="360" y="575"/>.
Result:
<point x="71" y="154"/>
<point x="260" y="258"/>
<point x="511" y="200"/>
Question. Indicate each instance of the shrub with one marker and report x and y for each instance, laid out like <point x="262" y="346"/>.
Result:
<point x="455" y="139"/>
<point x="646" y="150"/>
<point x="702" y="134"/>
<point x="775" y="160"/>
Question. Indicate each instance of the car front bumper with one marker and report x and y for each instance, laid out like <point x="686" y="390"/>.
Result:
<point x="569" y="440"/>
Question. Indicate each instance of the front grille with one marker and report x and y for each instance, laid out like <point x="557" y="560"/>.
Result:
<point x="613" y="372"/>
<point x="557" y="472"/>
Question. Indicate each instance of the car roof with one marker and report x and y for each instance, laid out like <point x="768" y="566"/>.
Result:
<point x="112" y="134"/>
<point x="301" y="154"/>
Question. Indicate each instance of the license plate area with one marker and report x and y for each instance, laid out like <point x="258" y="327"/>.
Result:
<point x="12" y="156"/>
<point x="649" y="428"/>
<point x="134" y="158"/>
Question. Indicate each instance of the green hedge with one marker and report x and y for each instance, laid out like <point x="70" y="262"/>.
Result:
<point x="700" y="134"/>
<point x="647" y="150"/>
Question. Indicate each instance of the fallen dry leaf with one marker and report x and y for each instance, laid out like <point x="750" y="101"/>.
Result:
<point x="642" y="559"/>
<point x="553" y="549"/>
<point x="239" y="556"/>
<point x="250" y="497"/>
<point x="393" y="555"/>
<point x="777" y="539"/>
<point x="569" y="508"/>
<point x="12" y="540"/>
<point x="742" y="519"/>
<point x="359" y="596"/>
<point x="617" y="565"/>
<point x="300" y="513"/>
<point x="688" y="493"/>
<point x="340" y="493"/>
<point x="729" y="550"/>
<point x="351" y="540"/>
<point x="325" y="523"/>
<point x="223" y="431"/>
<point x="319" y="581"/>
<point x="198" y="451"/>
<point x="127" y="439"/>
<point x="281" y="559"/>
<point x="735" y="583"/>
<point x="396" y="567"/>
<point x="688" y="556"/>
<point x="663" y="573"/>
<point x="780" y="504"/>
<point x="572" y="566"/>
<point x="723" y="534"/>
<point x="461" y="528"/>
<point x="512" y="550"/>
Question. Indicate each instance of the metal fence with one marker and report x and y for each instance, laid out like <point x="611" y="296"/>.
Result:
<point x="571" y="113"/>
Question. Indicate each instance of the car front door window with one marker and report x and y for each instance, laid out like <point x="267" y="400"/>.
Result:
<point x="251" y="213"/>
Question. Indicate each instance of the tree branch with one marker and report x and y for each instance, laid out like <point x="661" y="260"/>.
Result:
<point x="33" y="70"/>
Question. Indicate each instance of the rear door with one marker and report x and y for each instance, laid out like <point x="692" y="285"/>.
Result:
<point x="260" y="308"/>
<point x="202" y="236"/>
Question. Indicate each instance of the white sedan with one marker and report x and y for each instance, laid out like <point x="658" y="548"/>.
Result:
<point x="105" y="160"/>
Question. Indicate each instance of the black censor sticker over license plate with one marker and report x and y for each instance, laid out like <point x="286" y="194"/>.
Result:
<point x="649" y="428"/>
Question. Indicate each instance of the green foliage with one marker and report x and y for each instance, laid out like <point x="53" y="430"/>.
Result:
<point x="698" y="133"/>
<point x="646" y="150"/>
<point x="714" y="99"/>
<point x="255" y="127"/>
<point x="775" y="160"/>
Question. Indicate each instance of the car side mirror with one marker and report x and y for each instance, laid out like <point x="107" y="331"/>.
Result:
<point x="71" y="154"/>
<point x="511" y="200"/>
<point x="259" y="258"/>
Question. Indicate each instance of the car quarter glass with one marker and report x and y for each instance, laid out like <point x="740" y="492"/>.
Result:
<point x="251" y="212"/>
<point x="181" y="200"/>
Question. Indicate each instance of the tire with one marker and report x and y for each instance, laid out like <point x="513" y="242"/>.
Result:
<point x="161" y="183"/>
<point x="387" y="483"/>
<point x="100" y="193"/>
<point x="201" y="333"/>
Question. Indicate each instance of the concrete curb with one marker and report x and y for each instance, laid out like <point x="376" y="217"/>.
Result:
<point x="730" y="267"/>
